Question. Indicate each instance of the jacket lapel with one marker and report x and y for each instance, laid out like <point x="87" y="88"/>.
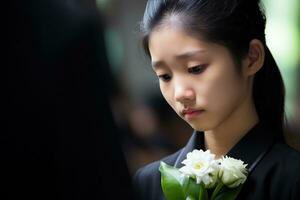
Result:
<point x="253" y="146"/>
<point x="195" y="142"/>
<point x="250" y="149"/>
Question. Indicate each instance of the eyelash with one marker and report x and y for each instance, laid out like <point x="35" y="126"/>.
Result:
<point x="164" y="77"/>
<point x="193" y="70"/>
<point x="197" y="69"/>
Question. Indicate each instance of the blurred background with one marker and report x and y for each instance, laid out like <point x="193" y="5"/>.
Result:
<point x="152" y="129"/>
<point x="149" y="128"/>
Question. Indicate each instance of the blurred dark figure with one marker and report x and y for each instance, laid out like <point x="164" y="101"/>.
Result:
<point x="156" y="131"/>
<point x="173" y="133"/>
<point x="59" y="140"/>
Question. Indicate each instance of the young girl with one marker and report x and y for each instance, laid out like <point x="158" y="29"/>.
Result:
<point x="217" y="73"/>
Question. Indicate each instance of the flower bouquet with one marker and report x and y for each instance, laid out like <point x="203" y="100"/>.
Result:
<point x="203" y="177"/>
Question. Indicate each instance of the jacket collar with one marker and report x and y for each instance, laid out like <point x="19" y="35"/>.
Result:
<point x="250" y="149"/>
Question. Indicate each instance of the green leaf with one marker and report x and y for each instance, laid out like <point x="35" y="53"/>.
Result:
<point x="190" y="187"/>
<point x="171" y="182"/>
<point x="217" y="190"/>
<point x="203" y="195"/>
<point x="229" y="193"/>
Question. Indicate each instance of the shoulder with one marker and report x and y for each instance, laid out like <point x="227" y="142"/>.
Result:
<point x="147" y="178"/>
<point x="282" y="165"/>
<point x="285" y="155"/>
<point x="284" y="159"/>
<point x="287" y="160"/>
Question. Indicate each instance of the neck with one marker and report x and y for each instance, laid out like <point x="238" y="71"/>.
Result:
<point x="222" y="138"/>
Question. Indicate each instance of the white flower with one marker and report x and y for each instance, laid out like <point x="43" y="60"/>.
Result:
<point x="202" y="166"/>
<point x="233" y="172"/>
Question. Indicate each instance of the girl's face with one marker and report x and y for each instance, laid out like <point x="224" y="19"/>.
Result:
<point x="198" y="79"/>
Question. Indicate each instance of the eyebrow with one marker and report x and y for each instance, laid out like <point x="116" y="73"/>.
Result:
<point x="186" y="55"/>
<point x="189" y="54"/>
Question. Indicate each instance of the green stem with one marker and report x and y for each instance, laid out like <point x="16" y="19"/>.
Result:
<point x="217" y="190"/>
<point x="203" y="195"/>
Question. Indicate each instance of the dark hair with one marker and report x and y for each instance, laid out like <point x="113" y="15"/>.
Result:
<point x="233" y="24"/>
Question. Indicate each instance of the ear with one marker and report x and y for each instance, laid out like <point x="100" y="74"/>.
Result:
<point x="255" y="58"/>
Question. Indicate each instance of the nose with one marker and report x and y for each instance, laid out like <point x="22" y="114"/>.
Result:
<point x="184" y="93"/>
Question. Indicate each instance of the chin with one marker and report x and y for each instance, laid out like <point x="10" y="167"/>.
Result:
<point x="198" y="127"/>
<point x="201" y="126"/>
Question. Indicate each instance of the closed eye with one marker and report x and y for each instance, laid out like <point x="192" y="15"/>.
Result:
<point x="197" y="69"/>
<point x="164" y="77"/>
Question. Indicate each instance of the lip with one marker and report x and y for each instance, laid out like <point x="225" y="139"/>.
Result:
<point x="191" y="113"/>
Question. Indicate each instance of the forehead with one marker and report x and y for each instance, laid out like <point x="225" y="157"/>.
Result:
<point x="174" y="39"/>
<point x="174" y="43"/>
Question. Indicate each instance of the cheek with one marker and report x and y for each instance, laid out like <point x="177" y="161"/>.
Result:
<point x="168" y="94"/>
<point x="223" y="92"/>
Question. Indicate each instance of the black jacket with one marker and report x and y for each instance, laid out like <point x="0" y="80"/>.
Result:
<point x="274" y="167"/>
